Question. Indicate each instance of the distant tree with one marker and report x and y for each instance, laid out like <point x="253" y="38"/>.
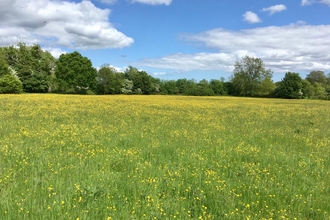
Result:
<point x="307" y="89"/>
<point x="106" y="80"/>
<point x="248" y="74"/>
<point x="266" y="87"/>
<point x="127" y="87"/>
<point x="169" y="87"/>
<point x="229" y="88"/>
<point x="4" y="68"/>
<point x="32" y="65"/>
<point x="10" y="84"/>
<point x="75" y="73"/>
<point x="317" y="77"/>
<point x="142" y="82"/>
<point x="319" y="91"/>
<point x="290" y="86"/>
<point x="217" y="86"/>
<point x="34" y="82"/>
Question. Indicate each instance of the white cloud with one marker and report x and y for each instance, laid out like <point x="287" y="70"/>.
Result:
<point x="306" y="2"/>
<point x="159" y="73"/>
<point x="327" y="2"/>
<point x="154" y="2"/>
<point x="251" y="17"/>
<point x="275" y="8"/>
<point x="59" y="24"/>
<point x="56" y="52"/>
<point x="309" y="2"/>
<point x="295" y="47"/>
<point x="109" y="2"/>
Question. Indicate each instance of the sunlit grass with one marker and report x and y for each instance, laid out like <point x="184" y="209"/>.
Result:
<point x="163" y="157"/>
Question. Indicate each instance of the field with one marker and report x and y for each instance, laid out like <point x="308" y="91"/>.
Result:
<point x="163" y="157"/>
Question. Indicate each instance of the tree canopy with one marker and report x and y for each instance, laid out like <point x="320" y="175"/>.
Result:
<point x="75" y="73"/>
<point x="248" y="75"/>
<point x="30" y="69"/>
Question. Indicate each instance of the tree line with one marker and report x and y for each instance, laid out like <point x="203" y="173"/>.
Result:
<point x="30" y="69"/>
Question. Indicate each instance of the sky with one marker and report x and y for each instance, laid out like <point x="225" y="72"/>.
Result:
<point x="172" y="39"/>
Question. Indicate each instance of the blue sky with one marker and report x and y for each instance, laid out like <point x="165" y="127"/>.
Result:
<point x="173" y="39"/>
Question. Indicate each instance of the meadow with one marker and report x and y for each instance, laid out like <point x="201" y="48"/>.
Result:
<point x="163" y="157"/>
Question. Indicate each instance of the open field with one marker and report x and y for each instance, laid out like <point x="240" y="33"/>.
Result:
<point x="163" y="157"/>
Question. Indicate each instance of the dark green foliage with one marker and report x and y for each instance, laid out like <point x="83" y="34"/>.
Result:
<point x="4" y="68"/>
<point x="266" y="87"/>
<point x="10" y="84"/>
<point x="248" y="74"/>
<point x="32" y="65"/>
<point x="307" y="89"/>
<point x="217" y="87"/>
<point x="142" y="82"/>
<point x="34" y="82"/>
<point x="108" y="81"/>
<point x="75" y="72"/>
<point x="290" y="87"/>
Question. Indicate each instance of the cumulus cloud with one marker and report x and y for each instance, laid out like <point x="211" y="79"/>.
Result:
<point x="56" y="52"/>
<point x="274" y="9"/>
<point x="251" y="17"/>
<point x="59" y="24"/>
<point x="154" y="2"/>
<point x="295" y="47"/>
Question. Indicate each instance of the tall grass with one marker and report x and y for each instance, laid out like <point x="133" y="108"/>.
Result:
<point x="163" y="157"/>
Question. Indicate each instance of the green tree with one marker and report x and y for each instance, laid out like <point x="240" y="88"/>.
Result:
<point x="217" y="86"/>
<point x="33" y="66"/>
<point x="10" y="84"/>
<point x="34" y="82"/>
<point x="4" y="68"/>
<point x="307" y="89"/>
<point x="106" y="80"/>
<point x="319" y="91"/>
<point x="266" y="87"/>
<point x="248" y="74"/>
<point x="142" y="82"/>
<point x="317" y="77"/>
<point x="290" y="86"/>
<point x="75" y="73"/>
<point x="127" y="87"/>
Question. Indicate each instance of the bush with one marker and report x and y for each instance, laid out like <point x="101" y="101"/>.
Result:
<point x="90" y="92"/>
<point x="10" y="84"/>
<point x="70" y="91"/>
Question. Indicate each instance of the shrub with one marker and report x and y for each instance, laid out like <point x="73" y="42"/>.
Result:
<point x="10" y="84"/>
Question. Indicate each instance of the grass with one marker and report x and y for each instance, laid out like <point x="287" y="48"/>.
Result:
<point x="163" y="157"/>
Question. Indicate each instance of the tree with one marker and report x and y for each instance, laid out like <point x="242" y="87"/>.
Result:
<point x="106" y="80"/>
<point x="307" y="89"/>
<point x="34" y="82"/>
<point x="266" y="87"/>
<point x="142" y="82"/>
<point x="75" y="73"/>
<point x="290" y="86"/>
<point x="32" y="65"/>
<point x="248" y="74"/>
<point x="4" y="68"/>
<point x="10" y="84"/>
<point x="317" y="77"/>
<point x="217" y="86"/>
<point x="319" y="91"/>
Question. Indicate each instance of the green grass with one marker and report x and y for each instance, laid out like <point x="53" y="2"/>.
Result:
<point x="163" y="157"/>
